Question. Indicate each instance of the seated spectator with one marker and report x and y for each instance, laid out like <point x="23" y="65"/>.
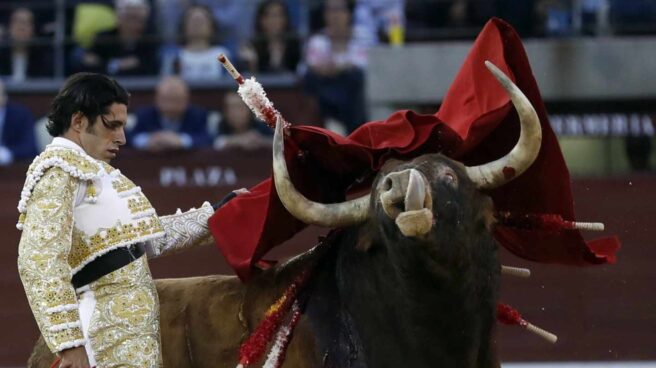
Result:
<point x="125" y="50"/>
<point x="233" y="19"/>
<point x="335" y="74"/>
<point x="239" y="129"/>
<point x="17" y="140"/>
<point x="196" y="59"/>
<point x="275" y="47"/>
<point x="23" y="57"/>
<point x="171" y="123"/>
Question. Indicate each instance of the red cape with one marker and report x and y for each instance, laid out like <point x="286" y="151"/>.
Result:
<point x="475" y="124"/>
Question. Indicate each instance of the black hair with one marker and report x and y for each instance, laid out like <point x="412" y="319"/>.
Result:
<point x="260" y="13"/>
<point x="88" y="93"/>
<point x="182" y="25"/>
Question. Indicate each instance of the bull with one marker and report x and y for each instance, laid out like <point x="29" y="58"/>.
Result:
<point x="411" y="277"/>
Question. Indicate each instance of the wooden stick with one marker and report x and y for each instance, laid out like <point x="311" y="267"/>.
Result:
<point x="515" y="271"/>
<point x="540" y="332"/>
<point x="590" y="226"/>
<point x="231" y="69"/>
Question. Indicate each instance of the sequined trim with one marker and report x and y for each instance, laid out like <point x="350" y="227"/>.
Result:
<point x="63" y="317"/>
<point x="141" y="215"/>
<point x="139" y="204"/>
<point x="65" y="326"/>
<point x="123" y="185"/>
<point x="86" y="249"/>
<point x="71" y="344"/>
<point x="74" y="163"/>
<point x="130" y="192"/>
<point x="62" y="308"/>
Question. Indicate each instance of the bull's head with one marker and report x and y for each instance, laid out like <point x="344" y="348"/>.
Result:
<point x="413" y="194"/>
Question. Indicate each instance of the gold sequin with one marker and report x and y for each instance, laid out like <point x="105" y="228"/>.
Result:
<point x="58" y="318"/>
<point x="81" y="162"/>
<point x="85" y="248"/>
<point x="42" y="254"/>
<point x="125" y="324"/>
<point x="139" y="204"/>
<point x="122" y="184"/>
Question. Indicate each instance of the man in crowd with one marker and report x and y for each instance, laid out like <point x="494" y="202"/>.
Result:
<point x="171" y="123"/>
<point x="127" y="50"/>
<point x="17" y="141"/>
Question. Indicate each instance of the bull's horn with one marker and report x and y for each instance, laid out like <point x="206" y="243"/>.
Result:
<point x="501" y="171"/>
<point x="327" y="215"/>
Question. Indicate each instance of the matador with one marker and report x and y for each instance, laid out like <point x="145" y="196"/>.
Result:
<point x="85" y="230"/>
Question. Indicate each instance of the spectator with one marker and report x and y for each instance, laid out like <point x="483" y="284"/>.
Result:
<point x="196" y="60"/>
<point x="171" y="123"/>
<point x="17" y="140"/>
<point x="275" y="47"/>
<point x="335" y="74"/>
<point x="239" y="129"/>
<point x="233" y="18"/>
<point x="23" y="57"/>
<point x="556" y="17"/>
<point x="127" y="49"/>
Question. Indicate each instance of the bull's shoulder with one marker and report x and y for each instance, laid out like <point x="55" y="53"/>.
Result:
<point x="188" y="288"/>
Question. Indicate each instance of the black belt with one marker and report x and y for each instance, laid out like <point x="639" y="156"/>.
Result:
<point x="107" y="263"/>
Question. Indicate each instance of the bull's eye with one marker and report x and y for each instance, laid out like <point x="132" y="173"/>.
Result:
<point x="450" y="178"/>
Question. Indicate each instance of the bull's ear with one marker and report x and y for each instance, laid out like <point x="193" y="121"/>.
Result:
<point x="365" y="237"/>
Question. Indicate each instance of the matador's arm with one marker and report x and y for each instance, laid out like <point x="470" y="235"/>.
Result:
<point x="187" y="229"/>
<point x="184" y="230"/>
<point x="43" y="260"/>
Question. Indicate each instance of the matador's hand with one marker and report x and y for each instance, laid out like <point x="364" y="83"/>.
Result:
<point x="74" y="358"/>
<point x="228" y="197"/>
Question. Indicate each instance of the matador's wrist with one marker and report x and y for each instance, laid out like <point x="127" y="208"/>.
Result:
<point x="228" y="197"/>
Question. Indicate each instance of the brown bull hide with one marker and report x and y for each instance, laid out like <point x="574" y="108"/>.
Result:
<point x="205" y="319"/>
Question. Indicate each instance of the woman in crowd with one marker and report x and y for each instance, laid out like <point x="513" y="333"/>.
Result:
<point x="336" y="62"/>
<point x="275" y="47"/>
<point x="23" y="57"/>
<point x="239" y="129"/>
<point x="196" y="58"/>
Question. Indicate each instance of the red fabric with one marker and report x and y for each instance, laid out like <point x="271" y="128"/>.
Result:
<point x="476" y="124"/>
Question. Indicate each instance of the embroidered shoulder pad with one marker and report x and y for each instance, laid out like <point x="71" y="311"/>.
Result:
<point x="77" y="164"/>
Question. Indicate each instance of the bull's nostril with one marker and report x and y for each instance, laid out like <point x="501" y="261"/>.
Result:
<point x="387" y="184"/>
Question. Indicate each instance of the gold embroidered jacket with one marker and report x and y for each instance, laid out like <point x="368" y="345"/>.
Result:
<point x="74" y="209"/>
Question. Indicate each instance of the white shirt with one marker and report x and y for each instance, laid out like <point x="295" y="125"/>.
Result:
<point x="319" y="51"/>
<point x="201" y="65"/>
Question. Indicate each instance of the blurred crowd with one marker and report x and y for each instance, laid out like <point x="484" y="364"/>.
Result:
<point x="322" y="44"/>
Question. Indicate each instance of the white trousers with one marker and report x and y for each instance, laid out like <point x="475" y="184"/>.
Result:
<point x="87" y="303"/>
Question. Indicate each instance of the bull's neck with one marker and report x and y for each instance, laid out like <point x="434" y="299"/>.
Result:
<point x="405" y="309"/>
